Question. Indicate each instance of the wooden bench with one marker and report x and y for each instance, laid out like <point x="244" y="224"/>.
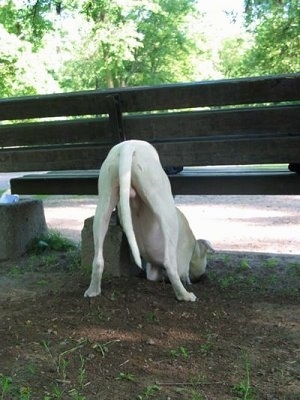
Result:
<point x="220" y="130"/>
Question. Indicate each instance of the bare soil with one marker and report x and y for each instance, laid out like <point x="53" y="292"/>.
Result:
<point x="240" y="340"/>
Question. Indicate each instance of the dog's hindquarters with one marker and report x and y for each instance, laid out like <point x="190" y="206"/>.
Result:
<point x="134" y="167"/>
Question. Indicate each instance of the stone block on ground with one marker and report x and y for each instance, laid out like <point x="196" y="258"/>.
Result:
<point x="116" y="251"/>
<point x="20" y="223"/>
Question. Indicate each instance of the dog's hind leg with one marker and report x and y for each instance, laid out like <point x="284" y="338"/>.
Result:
<point x="169" y="227"/>
<point x="181" y="293"/>
<point x="106" y="204"/>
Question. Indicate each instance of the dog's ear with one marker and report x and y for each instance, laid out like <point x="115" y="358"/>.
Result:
<point x="206" y="245"/>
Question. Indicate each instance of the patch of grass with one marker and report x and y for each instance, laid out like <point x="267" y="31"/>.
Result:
<point x="25" y="393"/>
<point x="51" y="241"/>
<point x="180" y="352"/>
<point x="270" y="263"/>
<point x="63" y="386"/>
<point x="221" y="279"/>
<point x="75" y="395"/>
<point x="227" y="282"/>
<point x="51" y="261"/>
<point x="235" y="278"/>
<point x="195" y="394"/>
<point x="15" y="271"/>
<point x="244" y="389"/>
<point x="151" y="317"/>
<point x="56" y="393"/>
<point x="191" y="388"/>
<point x="293" y="270"/>
<point x="103" y="348"/>
<point x="125" y="376"/>
<point x="206" y="348"/>
<point x="150" y="391"/>
<point x="62" y="368"/>
<point x="265" y="274"/>
<point x="6" y="386"/>
<point x="243" y="265"/>
<point x="53" y="252"/>
<point x="61" y="364"/>
<point x="8" y="390"/>
<point x="226" y="259"/>
<point x="82" y="376"/>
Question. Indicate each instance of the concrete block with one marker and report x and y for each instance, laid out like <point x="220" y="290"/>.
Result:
<point x="117" y="255"/>
<point x="20" y="223"/>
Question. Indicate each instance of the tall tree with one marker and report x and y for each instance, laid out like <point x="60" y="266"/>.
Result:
<point x="132" y="42"/>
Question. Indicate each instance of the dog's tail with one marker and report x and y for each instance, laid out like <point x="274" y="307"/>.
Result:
<point x="125" y="164"/>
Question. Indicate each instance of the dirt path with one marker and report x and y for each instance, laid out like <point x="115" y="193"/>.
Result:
<point x="268" y="224"/>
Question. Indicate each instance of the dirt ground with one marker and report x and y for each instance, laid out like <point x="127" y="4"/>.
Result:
<point x="240" y="340"/>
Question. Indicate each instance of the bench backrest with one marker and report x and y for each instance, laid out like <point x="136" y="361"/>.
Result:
<point x="236" y="121"/>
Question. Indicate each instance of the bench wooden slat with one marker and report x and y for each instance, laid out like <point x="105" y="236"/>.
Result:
<point x="279" y="88"/>
<point x="188" y="153"/>
<point x="208" y="124"/>
<point x="59" y="132"/>
<point x="54" y="158"/>
<point x="213" y="93"/>
<point x="228" y="151"/>
<point x="205" y="181"/>
<point x="222" y="151"/>
<point x="185" y="125"/>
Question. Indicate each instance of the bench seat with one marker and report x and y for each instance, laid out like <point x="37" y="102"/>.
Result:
<point x="229" y="180"/>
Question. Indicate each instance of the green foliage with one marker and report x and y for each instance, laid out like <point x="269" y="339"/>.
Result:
<point x="5" y="385"/>
<point x="167" y="46"/>
<point x="51" y="45"/>
<point x="142" y="42"/>
<point x="271" y="45"/>
<point x="8" y="390"/>
<point x="22" y="70"/>
<point x="29" y="20"/>
<point x="256" y="10"/>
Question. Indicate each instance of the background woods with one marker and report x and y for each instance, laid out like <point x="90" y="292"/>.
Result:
<point x="51" y="46"/>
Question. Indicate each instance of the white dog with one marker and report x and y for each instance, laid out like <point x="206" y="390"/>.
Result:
<point x="133" y="178"/>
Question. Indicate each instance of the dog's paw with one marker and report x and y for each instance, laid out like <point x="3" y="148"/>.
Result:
<point x="188" y="296"/>
<point x="91" y="292"/>
<point x="191" y="297"/>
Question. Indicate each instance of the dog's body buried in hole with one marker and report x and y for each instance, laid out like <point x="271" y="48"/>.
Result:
<point x="132" y="178"/>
